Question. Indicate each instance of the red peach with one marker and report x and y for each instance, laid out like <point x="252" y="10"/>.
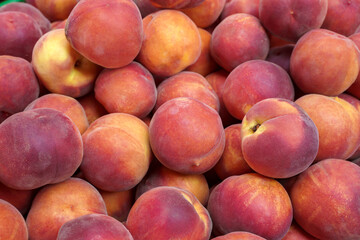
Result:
<point x="239" y="235"/>
<point x="21" y="199"/>
<point x="240" y="6"/>
<point x="280" y="55"/>
<point x="93" y="109"/>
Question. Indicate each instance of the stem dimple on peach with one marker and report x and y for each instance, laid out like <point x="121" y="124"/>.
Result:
<point x="256" y="127"/>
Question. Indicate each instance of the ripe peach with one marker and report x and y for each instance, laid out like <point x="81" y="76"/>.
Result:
<point x="130" y="89"/>
<point x="253" y="203"/>
<point x="253" y="81"/>
<point x="280" y="55"/>
<point x="326" y="200"/>
<point x="168" y="213"/>
<point x="175" y="4"/>
<point x="93" y="109"/>
<point x="43" y="146"/>
<point x="187" y="135"/>
<point x="21" y="199"/>
<point x="58" y="203"/>
<point x="237" y="39"/>
<point x="55" y="9"/>
<point x="240" y="6"/>
<point x="338" y="124"/>
<point x="12" y="223"/>
<point x="239" y="235"/>
<point x="118" y="204"/>
<point x="297" y="233"/>
<point x="111" y="36"/>
<point x="329" y="69"/>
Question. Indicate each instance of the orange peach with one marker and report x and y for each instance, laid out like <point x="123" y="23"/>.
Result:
<point x="325" y="199"/>
<point x="130" y="89"/>
<point x="252" y="203"/>
<point x="280" y="55"/>
<point x="239" y="235"/>
<point x="56" y="204"/>
<point x="21" y="199"/>
<point x="43" y="146"/>
<point x="279" y="139"/>
<point x="187" y="135"/>
<point x="171" y="43"/>
<point x="168" y="213"/>
<point x="338" y="123"/>
<point x="329" y="69"/>
<point x="118" y="204"/>
<point x="12" y="223"/>
<point x="55" y="9"/>
<point x="93" y="109"/>
<point x="237" y="39"/>
<point x="240" y="6"/>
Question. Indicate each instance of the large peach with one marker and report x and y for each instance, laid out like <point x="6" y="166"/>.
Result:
<point x="12" y="223"/>
<point x="237" y="39"/>
<point x="253" y="203"/>
<point x="55" y="9"/>
<point x="168" y="213"/>
<point x="171" y="43"/>
<point x="324" y="62"/>
<point x="43" y="146"/>
<point x="118" y="204"/>
<point x="130" y="89"/>
<point x="58" y="203"/>
<point x="239" y="235"/>
<point x="253" y="81"/>
<point x="240" y="6"/>
<point x="187" y="135"/>
<point x="338" y="124"/>
<point x="326" y="200"/>
<point x="111" y="36"/>
<point x="93" y="109"/>
<point x="279" y="139"/>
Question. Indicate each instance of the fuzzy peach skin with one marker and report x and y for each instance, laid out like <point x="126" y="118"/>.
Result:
<point x="204" y="65"/>
<point x="130" y="89"/>
<point x="253" y="81"/>
<point x="93" y="109"/>
<point x="324" y="62"/>
<point x="232" y="161"/>
<point x="280" y="55"/>
<point x="290" y="20"/>
<point x="239" y="235"/>
<point x="117" y="152"/>
<point x="354" y="89"/>
<point x="58" y="203"/>
<point x="326" y="200"/>
<point x="252" y="203"/>
<point x="32" y="11"/>
<point x="111" y="36"/>
<point x="43" y="146"/>
<point x="168" y="213"/>
<point x="342" y="16"/>
<point x="338" y="124"/>
<point x="187" y="135"/>
<point x="55" y="10"/>
<point x="65" y="104"/>
<point x="297" y="233"/>
<point x="240" y="6"/>
<point x="187" y="84"/>
<point x="279" y="139"/>
<point x="12" y="223"/>
<point x="162" y="176"/>
<point x="20" y="86"/>
<point x="60" y="68"/>
<point x="205" y="13"/>
<point x="171" y="43"/>
<point x="118" y="204"/>
<point x="237" y="39"/>
<point x="93" y="226"/>
<point x="18" y="33"/>
<point x="175" y="4"/>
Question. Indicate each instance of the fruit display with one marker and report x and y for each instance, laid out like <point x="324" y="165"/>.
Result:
<point x="179" y="120"/>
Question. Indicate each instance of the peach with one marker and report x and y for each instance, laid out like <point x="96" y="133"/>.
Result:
<point x="12" y="223"/>
<point x="21" y="199"/>
<point x="252" y="203"/>
<point x="145" y="7"/>
<point x="32" y="11"/>
<point x="168" y="213"/>
<point x="277" y="42"/>
<point x="59" y="203"/>
<point x="171" y="43"/>
<point x="111" y="36"/>
<point x="329" y="69"/>
<point x="20" y="85"/>
<point x="116" y="152"/>
<point x="65" y="104"/>
<point x="93" y="226"/>
<point x="162" y="176"/>
<point x="130" y="89"/>
<point x="187" y="84"/>
<point x="60" y="68"/>
<point x="337" y="122"/>
<point x="43" y="146"/>
<point x="187" y="135"/>
<point x="253" y="81"/>
<point x="58" y="24"/>
<point x="292" y="19"/>
<point x="204" y="65"/>
<point x="239" y="235"/>
<point x="18" y="33"/>
<point x="354" y="89"/>
<point x="240" y="6"/>
<point x="237" y="39"/>
<point x="232" y="161"/>
<point x="55" y="9"/>
<point x="326" y="200"/>
<point x="206" y="13"/>
<point x="297" y="233"/>
<point x="175" y="4"/>
<point x="280" y="55"/>
<point x="118" y="204"/>
<point x="93" y="109"/>
<point x="279" y="139"/>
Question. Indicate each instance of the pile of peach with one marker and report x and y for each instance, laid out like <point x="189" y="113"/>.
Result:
<point x="180" y="119"/>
